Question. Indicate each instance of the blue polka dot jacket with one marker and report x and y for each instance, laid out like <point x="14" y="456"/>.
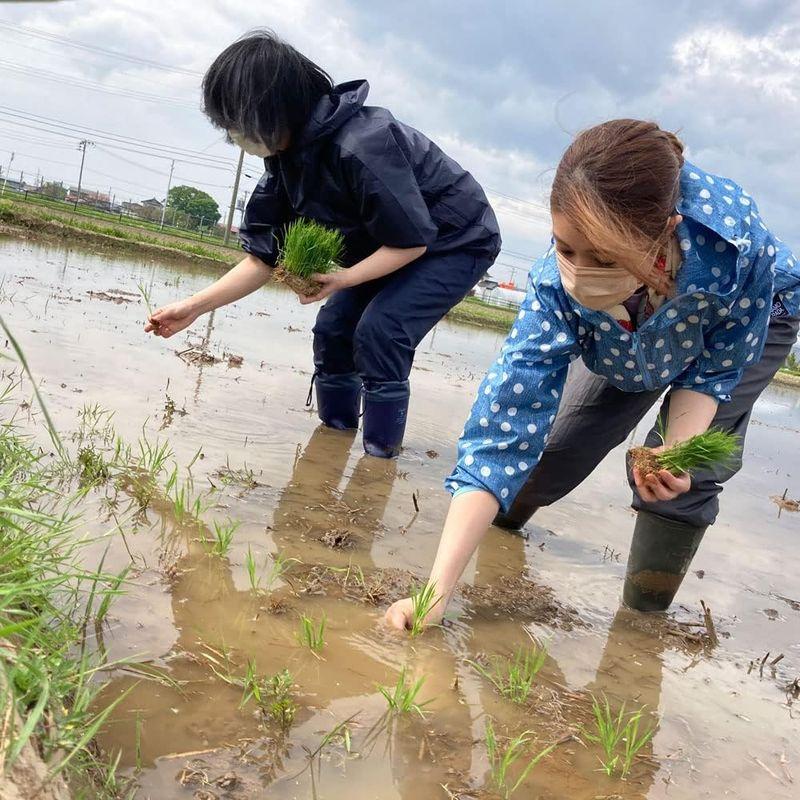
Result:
<point x="702" y="339"/>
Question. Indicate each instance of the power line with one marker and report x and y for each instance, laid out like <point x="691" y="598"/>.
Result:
<point x="139" y="150"/>
<point x="81" y="83"/>
<point x="519" y="199"/>
<point x="52" y="37"/>
<point x="99" y="133"/>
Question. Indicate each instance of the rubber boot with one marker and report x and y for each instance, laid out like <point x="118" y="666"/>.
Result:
<point x="338" y="399"/>
<point x="660" y="554"/>
<point x="385" y="412"/>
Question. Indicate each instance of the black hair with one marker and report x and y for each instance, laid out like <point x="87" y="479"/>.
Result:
<point x="263" y="88"/>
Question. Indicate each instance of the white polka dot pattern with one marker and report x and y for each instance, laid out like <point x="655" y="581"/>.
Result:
<point x="702" y="338"/>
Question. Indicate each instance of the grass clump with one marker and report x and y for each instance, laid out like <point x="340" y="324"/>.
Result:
<point x="308" y="248"/>
<point x="402" y="697"/>
<point x="272" y="694"/>
<point x="502" y="759"/>
<point x="614" y="730"/>
<point x="51" y="606"/>
<point x="714" y="447"/>
<point x="514" y="677"/>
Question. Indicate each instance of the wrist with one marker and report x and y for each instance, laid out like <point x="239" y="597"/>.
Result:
<point x="348" y="278"/>
<point x="198" y="304"/>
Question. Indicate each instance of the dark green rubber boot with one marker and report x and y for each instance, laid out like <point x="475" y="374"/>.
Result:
<point x="660" y="554"/>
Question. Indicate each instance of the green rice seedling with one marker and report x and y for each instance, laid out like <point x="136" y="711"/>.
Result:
<point x="153" y="456"/>
<point x="312" y="635"/>
<point x="222" y="539"/>
<point x="714" y="447"/>
<point x="514" y="677"/>
<point x="633" y="740"/>
<point x="280" y="566"/>
<point x="611" y="731"/>
<point x="145" y="293"/>
<point x="308" y="248"/>
<point x="502" y="759"/>
<point x="608" y="732"/>
<point x="402" y="697"/>
<point x="423" y="601"/>
<point x="252" y="571"/>
<point x="185" y="506"/>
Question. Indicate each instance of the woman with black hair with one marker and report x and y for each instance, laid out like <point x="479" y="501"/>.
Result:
<point x="419" y="232"/>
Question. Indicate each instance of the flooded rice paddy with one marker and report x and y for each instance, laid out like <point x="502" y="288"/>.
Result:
<point x="347" y="530"/>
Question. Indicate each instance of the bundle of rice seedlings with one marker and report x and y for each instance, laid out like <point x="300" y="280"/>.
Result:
<point x="704" y="450"/>
<point x="308" y="248"/>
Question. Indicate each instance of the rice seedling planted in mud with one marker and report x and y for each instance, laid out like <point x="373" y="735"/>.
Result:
<point x="222" y="532"/>
<point x="185" y="506"/>
<point x="611" y="730"/>
<point x="312" y="635"/>
<point x="514" y="677"/>
<point x="423" y="602"/>
<point x="502" y="759"/>
<point x="402" y="697"/>
<point x="308" y="248"/>
<point x="704" y="450"/>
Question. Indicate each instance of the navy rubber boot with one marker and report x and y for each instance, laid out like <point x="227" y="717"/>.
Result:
<point x="338" y="399"/>
<point x="385" y="412"/>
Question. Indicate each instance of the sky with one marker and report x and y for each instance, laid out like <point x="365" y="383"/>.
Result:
<point x="502" y="87"/>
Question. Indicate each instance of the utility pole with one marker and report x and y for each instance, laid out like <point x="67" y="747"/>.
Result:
<point x="244" y="208"/>
<point x="166" y="199"/>
<point x="82" y="147"/>
<point x="8" y="170"/>
<point x="233" y="197"/>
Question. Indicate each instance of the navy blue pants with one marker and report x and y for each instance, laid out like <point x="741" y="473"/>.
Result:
<point x="373" y="329"/>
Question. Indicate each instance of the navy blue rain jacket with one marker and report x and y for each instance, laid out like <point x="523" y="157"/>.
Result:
<point x="357" y="169"/>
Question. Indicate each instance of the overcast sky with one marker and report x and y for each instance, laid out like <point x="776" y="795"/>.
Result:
<point x="500" y="86"/>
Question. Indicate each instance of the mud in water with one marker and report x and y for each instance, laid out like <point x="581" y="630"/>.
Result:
<point x="331" y="533"/>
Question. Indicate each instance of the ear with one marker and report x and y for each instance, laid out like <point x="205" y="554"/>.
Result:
<point x="673" y="222"/>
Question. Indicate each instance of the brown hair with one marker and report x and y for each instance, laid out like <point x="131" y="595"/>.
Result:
<point x="618" y="183"/>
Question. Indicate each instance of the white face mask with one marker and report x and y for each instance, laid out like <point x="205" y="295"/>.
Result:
<point x="249" y="146"/>
<point x="598" y="288"/>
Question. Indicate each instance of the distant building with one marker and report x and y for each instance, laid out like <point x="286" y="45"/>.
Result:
<point x="152" y="203"/>
<point x="89" y="197"/>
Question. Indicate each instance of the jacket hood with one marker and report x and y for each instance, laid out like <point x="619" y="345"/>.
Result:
<point x="333" y="110"/>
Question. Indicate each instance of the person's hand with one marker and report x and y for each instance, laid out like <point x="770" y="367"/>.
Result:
<point x="168" y="320"/>
<point x="400" y="615"/>
<point x="661" y="485"/>
<point x="331" y="282"/>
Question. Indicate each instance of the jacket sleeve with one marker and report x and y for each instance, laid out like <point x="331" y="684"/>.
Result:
<point x="517" y="401"/>
<point x="737" y="339"/>
<point x="386" y="193"/>
<point x="265" y="220"/>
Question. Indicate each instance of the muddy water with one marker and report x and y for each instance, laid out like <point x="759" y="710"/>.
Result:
<point x="722" y="729"/>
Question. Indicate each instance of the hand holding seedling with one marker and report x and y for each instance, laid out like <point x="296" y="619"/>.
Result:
<point x="169" y="320"/>
<point x="661" y="485"/>
<point x="330" y="282"/>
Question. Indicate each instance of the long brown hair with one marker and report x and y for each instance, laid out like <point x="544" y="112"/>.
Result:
<point x="618" y="183"/>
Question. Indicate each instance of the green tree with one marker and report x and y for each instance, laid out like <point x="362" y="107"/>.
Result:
<point x="54" y="190"/>
<point x="196" y="203"/>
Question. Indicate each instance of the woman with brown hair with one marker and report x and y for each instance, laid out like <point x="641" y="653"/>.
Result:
<point x="660" y="277"/>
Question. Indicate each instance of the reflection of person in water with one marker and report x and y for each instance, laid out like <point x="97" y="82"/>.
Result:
<point x="209" y="610"/>
<point x="631" y="657"/>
